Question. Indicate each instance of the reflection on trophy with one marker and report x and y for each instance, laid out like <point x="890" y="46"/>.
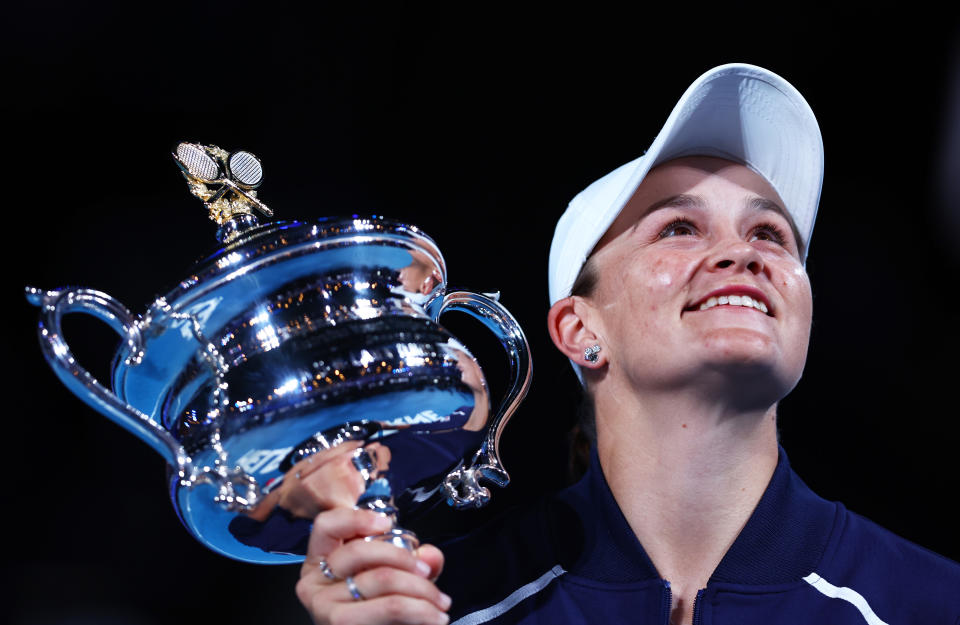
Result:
<point x="300" y="367"/>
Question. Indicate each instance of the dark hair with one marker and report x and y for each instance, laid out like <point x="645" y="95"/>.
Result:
<point x="586" y="281"/>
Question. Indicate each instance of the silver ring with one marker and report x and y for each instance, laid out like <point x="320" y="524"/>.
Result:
<point x="325" y="569"/>
<point x="354" y="591"/>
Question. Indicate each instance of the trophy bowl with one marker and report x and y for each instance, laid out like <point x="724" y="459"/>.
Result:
<point x="302" y="366"/>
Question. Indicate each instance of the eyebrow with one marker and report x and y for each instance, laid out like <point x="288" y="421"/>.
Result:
<point x="684" y="200"/>
<point x="678" y="201"/>
<point x="681" y="201"/>
<point x="760" y="203"/>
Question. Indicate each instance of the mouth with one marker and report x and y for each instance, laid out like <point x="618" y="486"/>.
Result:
<point x="734" y="295"/>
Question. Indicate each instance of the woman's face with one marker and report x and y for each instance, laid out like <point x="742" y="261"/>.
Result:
<point x="700" y="280"/>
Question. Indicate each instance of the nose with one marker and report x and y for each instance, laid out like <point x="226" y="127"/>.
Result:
<point x="737" y="256"/>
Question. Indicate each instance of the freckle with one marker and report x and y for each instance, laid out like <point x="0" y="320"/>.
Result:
<point x="743" y="489"/>
<point x="684" y="425"/>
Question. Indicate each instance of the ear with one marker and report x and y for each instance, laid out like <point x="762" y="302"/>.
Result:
<point x="570" y="331"/>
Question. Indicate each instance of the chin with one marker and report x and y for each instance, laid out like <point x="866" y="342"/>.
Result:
<point x="752" y="359"/>
<point x="741" y="344"/>
<point x="750" y="385"/>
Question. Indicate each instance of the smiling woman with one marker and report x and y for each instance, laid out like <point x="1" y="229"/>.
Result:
<point x="680" y="295"/>
<point x="698" y="233"/>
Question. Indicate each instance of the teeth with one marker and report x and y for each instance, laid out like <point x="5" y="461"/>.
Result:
<point x="734" y="300"/>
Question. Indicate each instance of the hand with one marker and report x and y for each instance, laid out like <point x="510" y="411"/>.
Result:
<point x="396" y="586"/>
<point x="324" y="480"/>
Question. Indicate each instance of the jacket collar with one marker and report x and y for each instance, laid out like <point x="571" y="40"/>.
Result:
<point x="782" y="541"/>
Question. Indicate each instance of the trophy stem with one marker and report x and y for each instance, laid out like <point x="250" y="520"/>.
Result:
<point x="378" y="497"/>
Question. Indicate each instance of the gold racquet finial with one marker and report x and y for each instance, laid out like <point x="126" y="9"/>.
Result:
<point x="225" y="183"/>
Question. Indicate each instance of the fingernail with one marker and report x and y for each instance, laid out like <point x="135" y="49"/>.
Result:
<point x="443" y="620"/>
<point x="423" y="568"/>
<point x="445" y="601"/>
<point x="382" y="523"/>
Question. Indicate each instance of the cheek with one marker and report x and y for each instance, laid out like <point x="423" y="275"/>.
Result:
<point x="797" y="285"/>
<point x="660" y="280"/>
<point x="663" y="275"/>
<point x="648" y="289"/>
<point x="638" y="290"/>
<point x="801" y="285"/>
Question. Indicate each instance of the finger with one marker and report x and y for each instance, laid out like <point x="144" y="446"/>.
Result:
<point x="311" y="463"/>
<point x="318" y="595"/>
<point x="323" y="481"/>
<point x="334" y="485"/>
<point x="359" y="555"/>
<point x="434" y="559"/>
<point x="395" y="609"/>
<point x="383" y="581"/>
<point x="323" y="599"/>
<point x="427" y="554"/>
<point x="333" y="527"/>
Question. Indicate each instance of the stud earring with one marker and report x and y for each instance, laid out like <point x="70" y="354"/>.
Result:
<point x="591" y="354"/>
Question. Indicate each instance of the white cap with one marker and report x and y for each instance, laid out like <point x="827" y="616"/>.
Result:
<point x="738" y="112"/>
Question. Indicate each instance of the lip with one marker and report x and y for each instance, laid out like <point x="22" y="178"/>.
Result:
<point x="734" y="289"/>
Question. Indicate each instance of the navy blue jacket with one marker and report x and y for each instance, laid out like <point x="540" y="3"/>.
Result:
<point x="799" y="560"/>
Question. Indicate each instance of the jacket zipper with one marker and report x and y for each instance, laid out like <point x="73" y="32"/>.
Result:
<point x="698" y="607"/>
<point x="667" y="602"/>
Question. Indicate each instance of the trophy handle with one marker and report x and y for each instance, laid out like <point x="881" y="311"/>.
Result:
<point x="461" y="485"/>
<point x="53" y="306"/>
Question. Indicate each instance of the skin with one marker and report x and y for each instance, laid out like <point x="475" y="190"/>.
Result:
<point x="685" y="400"/>
<point x="397" y="584"/>
<point x="649" y="277"/>
<point x="325" y="480"/>
<point x="421" y="275"/>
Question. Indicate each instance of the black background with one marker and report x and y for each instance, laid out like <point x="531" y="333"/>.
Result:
<point x="478" y="126"/>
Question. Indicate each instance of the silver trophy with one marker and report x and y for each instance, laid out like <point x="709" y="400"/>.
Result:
<point x="301" y="366"/>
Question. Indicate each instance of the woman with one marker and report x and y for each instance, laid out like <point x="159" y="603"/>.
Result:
<point x="679" y="293"/>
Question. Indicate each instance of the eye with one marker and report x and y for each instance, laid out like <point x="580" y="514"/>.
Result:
<point x="769" y="232"/>
<point x="677" y="227"/>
